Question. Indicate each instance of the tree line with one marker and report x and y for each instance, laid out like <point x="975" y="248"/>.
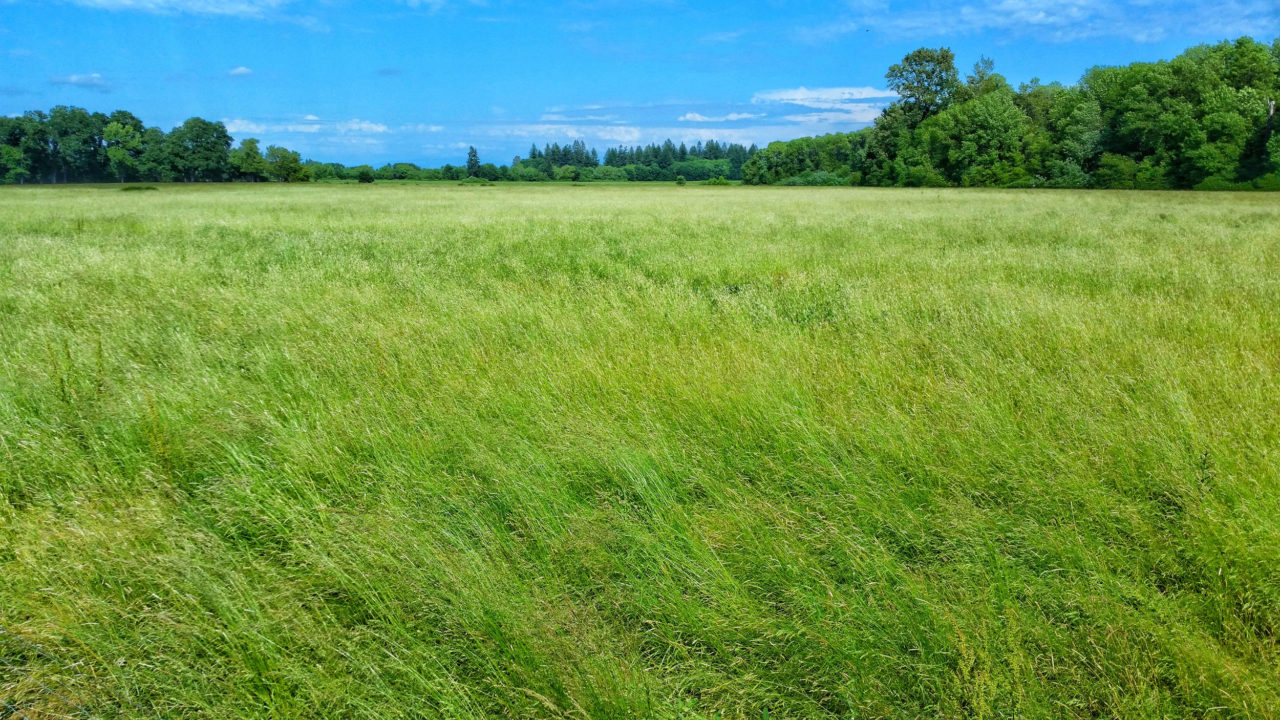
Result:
<point x="73" y="145"/>
<point x="1205" y="120"/>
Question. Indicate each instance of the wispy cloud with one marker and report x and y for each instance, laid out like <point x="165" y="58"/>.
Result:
<point x="90" y="81"/>
<point x="435" y="6"/>
<point x="837" y="107"/>
<point x="720" y="38"/>
<point x="242" y="8"/>
<point x="360" y="126"/>
<point x="421" y="128"/>
<point x="609" y="135"/>
<point x="241" y="71"/>
<point x="1054" y="20"/>
<point x="731" y="117"/>
<point x="308" y="125"/>
<point x="851" y="114"/>
<point x="833" y="98"/>
<point x="560" y="117"/>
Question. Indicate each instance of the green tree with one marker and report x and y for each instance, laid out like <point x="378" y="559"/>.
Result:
<point x="926" y="79"/>
<point x="247" y="161"/>
<point x="284" y="165"/>
<point x="13" y="165"/>
<point x="124" y="148"/>
<point x="76" y="141"/>
<point x="156" y="162"/>
<point x="201" y="151"/>
<point x="473" y="162"/>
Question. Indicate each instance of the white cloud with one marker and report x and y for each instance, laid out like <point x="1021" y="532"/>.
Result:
<point x="858" y="113"/>
<point x="1058" y="20"/>
<point x="238" y="126"/>
<point x="838" y="107"/>
<point x="90" y="81"/>
<point x="360" y="126"/>
<point x="560" y="117"/>
<point x="241" y="71"/>
<point x="731" y="117"/>
<point x="421" y="128"/>
<point x="833" y="98"/>
<point x="244" y="8"/>
<point x="310" y="125"/>
<point x="435" y="6"/>
<point x="611" y="135"/>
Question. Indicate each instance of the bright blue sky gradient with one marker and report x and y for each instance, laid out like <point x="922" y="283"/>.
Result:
<point x="419" y="80"/>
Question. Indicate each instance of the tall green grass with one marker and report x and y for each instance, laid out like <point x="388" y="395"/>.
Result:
<point x="440" y="451"/>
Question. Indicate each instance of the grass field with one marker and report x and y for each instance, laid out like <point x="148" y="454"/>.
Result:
<point x="535" y="451"/>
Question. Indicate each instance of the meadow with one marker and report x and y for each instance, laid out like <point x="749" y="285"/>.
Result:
<point x="420" y="451"/>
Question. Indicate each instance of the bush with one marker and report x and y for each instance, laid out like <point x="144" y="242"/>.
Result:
<point x="605" y="173"/>
<point x="1268" y="182"/>
<point x="524" y="173"/>
<point x="365" y="175"/>
<point x="680" y="180"/>
<point x="717" y="181"/>
<point x="815" y="178"/>
<point x="1116" y="172"/>
<point x="1217" y="182"/>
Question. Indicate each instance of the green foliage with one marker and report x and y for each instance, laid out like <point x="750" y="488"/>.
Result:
<point x="722" y="181"/>
<point x="1200" y="117"/>
<point x="524" y="173"/>
<point x="248" y="162"/>
<point x="926" y="80"/>
<point x="304" y="451"/>
<point x="284" y="165"/>
<point x="605" y="173"/>
<point x="681" y="181"/>
<point x="200" y="151"/>
<point x="816" y="178"/>
<point x="365" y="176"/>
<point x="123" y="147"/>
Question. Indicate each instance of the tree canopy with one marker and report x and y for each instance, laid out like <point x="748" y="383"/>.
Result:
<point x="1202" y="120"/>
<point x="1205" y="119"/>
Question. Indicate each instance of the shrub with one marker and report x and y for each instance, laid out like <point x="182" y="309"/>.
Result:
<point x="815" y="178"/>
<point x="365" y="175"/>
<point x="1217" y="182"/>
<point x="717" y="181"/>
<point x="1268" y="182"/>
<point x="680" y="180"/>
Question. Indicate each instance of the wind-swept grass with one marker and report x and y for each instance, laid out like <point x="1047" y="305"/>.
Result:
<point x="441" y="451"/>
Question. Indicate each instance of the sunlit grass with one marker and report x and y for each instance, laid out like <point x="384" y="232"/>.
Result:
<point x="530" y="451"/>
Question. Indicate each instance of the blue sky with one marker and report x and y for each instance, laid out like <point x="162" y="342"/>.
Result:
<point x="420" y="80"/>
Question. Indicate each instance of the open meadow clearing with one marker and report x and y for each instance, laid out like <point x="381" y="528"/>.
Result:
<point x="621" y="451"/>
